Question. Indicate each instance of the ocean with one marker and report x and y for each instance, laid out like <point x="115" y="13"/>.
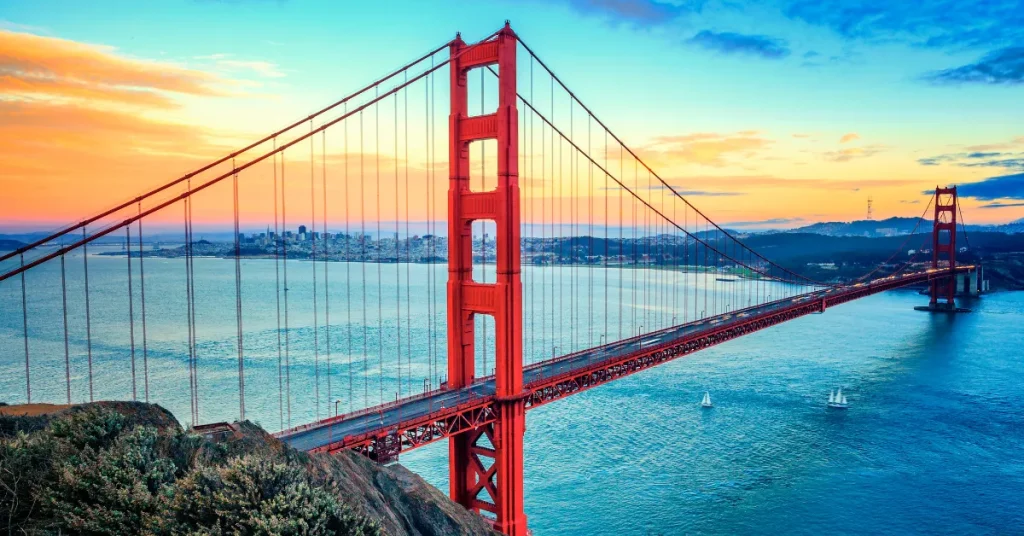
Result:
<point x="933" y="441"/>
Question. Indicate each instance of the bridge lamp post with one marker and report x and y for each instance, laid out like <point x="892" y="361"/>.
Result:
<point x="673" y="320"/>
<point x="639" y="331"/>
<point x="600" y="341"/>
<point x="336" y="402"/>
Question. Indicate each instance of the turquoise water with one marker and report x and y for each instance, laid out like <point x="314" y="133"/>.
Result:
<point x="933" y="442"/>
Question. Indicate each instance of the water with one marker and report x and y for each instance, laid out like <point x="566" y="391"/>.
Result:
<point x="933" y="441"/>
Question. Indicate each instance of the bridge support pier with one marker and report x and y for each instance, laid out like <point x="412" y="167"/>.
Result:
<point x="486" y="464"/>
<point x="943" y="288"/>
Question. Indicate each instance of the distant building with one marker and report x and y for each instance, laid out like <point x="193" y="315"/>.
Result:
<point x="302" y="229"/>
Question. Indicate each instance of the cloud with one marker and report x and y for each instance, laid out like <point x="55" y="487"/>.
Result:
<point x="737" y="43"/>
<point x="1003" y="66"/>
<point x="74" y="116"/>
<point x="702" y="148"/>
<point x="981" y="156"/>
<point x="993" y="188"/>
<point x="1002" y="205"/>
<point x="692" y="193"/>
<point x="801" y="136"/>
<point x="640" y="12"/>
<point x="226" y="62"/>
<point x="853" y="153"/>
<point x="910" y="201"/>
<point x="746" y="182"/>
<point x="849" y="137"/>
<point x="950" y="23"/>
<point x="33" y="66"/>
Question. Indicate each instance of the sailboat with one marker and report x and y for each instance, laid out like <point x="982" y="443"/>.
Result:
<point x="837" y="399"/>
<point x="706" y="403"/>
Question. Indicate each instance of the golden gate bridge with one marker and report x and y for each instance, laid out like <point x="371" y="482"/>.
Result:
<point x="526" y="160"/>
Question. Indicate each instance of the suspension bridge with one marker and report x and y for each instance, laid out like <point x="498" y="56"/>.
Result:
<point x="570" y="263"/>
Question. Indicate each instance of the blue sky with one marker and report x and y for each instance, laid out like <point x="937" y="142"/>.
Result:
<point x="899" y="96"/>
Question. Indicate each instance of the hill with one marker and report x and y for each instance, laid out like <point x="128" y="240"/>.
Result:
<point x="129" y="468"/>
<point x="871" y="228"/>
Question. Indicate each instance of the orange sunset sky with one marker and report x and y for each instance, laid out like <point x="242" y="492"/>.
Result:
<point x="767" y="118"/>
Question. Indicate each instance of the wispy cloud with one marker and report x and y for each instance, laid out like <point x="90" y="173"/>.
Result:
<point x="1002" y="205"/>
<point x="853" y="153"/>
<point x="62" y="70"/>
<point x="996" y="155"/>
<point x="1003" y="66"/>
<point x="228" y="63"/>
<point x="737" y="43"/>
<point x="703" y="148"/>
<point x="849" y="137"/>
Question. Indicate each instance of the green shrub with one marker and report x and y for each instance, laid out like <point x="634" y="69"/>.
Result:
<point x="93" y="472"/>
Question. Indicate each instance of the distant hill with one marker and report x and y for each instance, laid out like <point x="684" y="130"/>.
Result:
<point x="870" y="228"/>
<point x="7" y="244"/>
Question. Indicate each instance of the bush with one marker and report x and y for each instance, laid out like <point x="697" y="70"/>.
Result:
<point x="93" y="472"/>
<point x="253" y="495"/>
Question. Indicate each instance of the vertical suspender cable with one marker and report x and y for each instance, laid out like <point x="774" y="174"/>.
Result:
<point x="312" y="263"/>
<point x="188" y="312"/>
<point x="622" y="241"/>
<point x="606" y="238"/>
<point x="238" y="300"/>
<point x="131" y="308"/>
<point x="348" y="272"/>
<point x="88" y="314"/>
<point x="532" y="175"/>
<point x="408" y="242"/>
<point x="24" y="325"/>
<point x="326" y="253"/>
<point x="67" y="354"/>
<point x="380" y="277"/>
<point x="590" y="238"/>
<point x="363" y="259"/>
<point x="284" y="269"/>
<point x="398" y="260"/>
<point x="427" y="186"/>
<point x="142" y="296"/>
<point x="277" y="293"/>
<point x="195" y="326"/>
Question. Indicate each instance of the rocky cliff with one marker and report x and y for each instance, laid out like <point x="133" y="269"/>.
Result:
<point x="129" y="468"/>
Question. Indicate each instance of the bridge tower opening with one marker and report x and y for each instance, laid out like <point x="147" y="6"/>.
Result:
<point x="486" y="465"/>
<point x="944" y="249"/>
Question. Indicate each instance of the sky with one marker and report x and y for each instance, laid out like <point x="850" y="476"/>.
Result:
<point x="773" y="113"/>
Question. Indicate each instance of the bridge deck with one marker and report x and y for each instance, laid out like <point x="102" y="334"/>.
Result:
<point x="419" y="420"/>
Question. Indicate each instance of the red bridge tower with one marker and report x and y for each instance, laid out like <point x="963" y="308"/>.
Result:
<point x="486" y="465"/>
<point x="944" y="248"/>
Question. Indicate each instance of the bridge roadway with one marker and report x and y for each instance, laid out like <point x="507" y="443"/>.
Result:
<point x="358" y="428"/>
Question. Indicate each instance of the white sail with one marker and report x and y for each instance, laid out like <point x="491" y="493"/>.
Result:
<point x="844" y="400"/>
<point x="831" y="397"/>
<point x="839" y="394"/>
<point x="707" y="399"/>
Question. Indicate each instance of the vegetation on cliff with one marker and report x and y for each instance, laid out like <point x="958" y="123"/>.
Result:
<point x="129" y="468"/>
